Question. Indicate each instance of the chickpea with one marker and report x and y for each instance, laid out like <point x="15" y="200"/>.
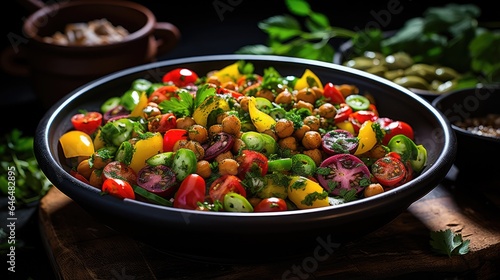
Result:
<point x="96" y="179"/>
<point x="288" y="143"/>
<point x="238" y="146"/>
<point x="213" y="80"/>
<point x="284" y="128"/>
<point x="214" y="129"/>
<point x="327" y="111"/>
<point x="284" y="97"/>
<point x="251" y="90"/>
<point x="244" y="103"/>
<point x="347" y="89"/>
<point x="99" y="161"/>
<point x="192" y="145"/>
<point x="228" y="166"/>
<point x="299" y="133"/>
<point x="313" y="122"/>
<point x="266" y="94"/>
<point x="84" y="168"/>
<point x="230" y="85"/>
<point x="317" y="92"/>
<point x="303" y="104"/>
<point x="198" y="133"/>
<point x="151" y="110"/>
<point x="231" y="124"/>
<point x="315" y="154"/>
<point x="185" y="122"/>
<point x="203" y="169"/>
<point x="220" y="117"/>
<point x="373" y="189"/>
<point x="254" y="201"/>
<point x="311" y="140"/>
<point x="307" y="95"/>
<point x="223" y="156"/>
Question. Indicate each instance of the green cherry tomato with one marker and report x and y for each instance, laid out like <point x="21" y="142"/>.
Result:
<point x="357" y="102"/>
<point x="270" y="146"/>
<point x="303" y="165"/>
<point x="184" y="163"/>
<point x="404" y="146"/>
<point x="253" y="140"/>
<point x="418" y="164"/>
<point x="234" y="202"/>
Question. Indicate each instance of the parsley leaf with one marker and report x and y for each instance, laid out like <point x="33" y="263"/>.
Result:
<point x="180" y="106"/>
<point x="448" y="243"/>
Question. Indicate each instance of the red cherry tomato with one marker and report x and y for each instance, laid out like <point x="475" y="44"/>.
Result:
<point x="190" y="192"/>
<point x="118" y="188"/>
<point x="87" y="122"/>
<point x="248" y="160"/>
<point x="363" y="116"/>
<point x="271" y="204"/>
<point x="162" y="123"/>
<point x="119" y="170"/>
<point x="163" y="93"/>
<point x="389" y="171"/>
<point x="172" y="136"/>
<point x="395" y="128"/>
<point x="343" y="113"/>
<point x="79" y="176"/>
<point x="331" y="92"/>
<point x="180" y="77"/>
<point x="222" y="185"/>
<point x="234" y="94"/>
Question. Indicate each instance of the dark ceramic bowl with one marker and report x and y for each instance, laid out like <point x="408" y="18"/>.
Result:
<point x="475" y="153"/>
<point x="255" y="237"/>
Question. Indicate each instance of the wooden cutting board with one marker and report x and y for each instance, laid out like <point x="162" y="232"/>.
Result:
<point x="82" y="248"/>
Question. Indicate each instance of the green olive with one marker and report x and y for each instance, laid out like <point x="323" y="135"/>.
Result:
<point x="378" y="70"/>
<point x="393" y="74"/>
<point x="399" y="60"/>
<point x="412" y="82"/>
<point x="374" y="55"/>
<point x="446" y="74"/>
<point x="361" y="63"/>
<point x="425" y="71"/>
<point x="445" y="86"/>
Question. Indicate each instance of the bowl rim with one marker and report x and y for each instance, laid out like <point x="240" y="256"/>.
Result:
<point x="42" y="151"/>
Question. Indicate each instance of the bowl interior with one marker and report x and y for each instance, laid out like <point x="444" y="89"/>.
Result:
<point x="158" y="225"/>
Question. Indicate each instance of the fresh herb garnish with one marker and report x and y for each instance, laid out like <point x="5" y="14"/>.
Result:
<point x="449" y="243"/>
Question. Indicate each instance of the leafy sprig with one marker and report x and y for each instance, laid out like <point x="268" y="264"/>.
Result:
<point x="449" y="243"/>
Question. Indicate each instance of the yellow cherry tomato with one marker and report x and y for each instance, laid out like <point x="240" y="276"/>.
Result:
<point x="138" y="110"/>
<point x="76" y="143"/>
<point x="144" y="149"/>
<point x="308" y="79"/>
<point x="260" y="120"/>
<point x="229" y="73"/>
<point x="306" y="193"/>
<point x="367" y="138"/>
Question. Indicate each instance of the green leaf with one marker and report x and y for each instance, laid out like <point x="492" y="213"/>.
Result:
<point x="298" y="7"/>
<point x="320" y="20"/>
<point x="281" y="27"/>
<point x="448" y="243"/>
<point x="255" y="49"/>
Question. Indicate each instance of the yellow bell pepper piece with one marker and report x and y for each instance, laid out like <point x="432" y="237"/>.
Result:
<point x="138" y="110"/>
<point x="260" y="120"/>
<point x="76" y="143"/>
<point x="306" y="193"/>
<point x="303" y="81"/>
<point x="229" y="73"/>
<point x="98" y="141"/>
<point x="346" y="125"/>
<point x="367" y="138"/>
<point x="200" y="114"/>
<point x="144" y="149"/>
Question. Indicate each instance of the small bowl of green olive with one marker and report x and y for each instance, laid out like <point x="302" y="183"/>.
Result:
<point x="426" y="80"/>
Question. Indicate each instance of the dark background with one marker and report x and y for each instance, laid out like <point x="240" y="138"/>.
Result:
<point x="205" y="30"/>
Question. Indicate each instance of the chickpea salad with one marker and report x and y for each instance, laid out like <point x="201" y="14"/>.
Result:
<point x="238" y="141"/>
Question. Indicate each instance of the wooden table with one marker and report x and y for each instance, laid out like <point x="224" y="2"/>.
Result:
<point x="82" y="248"/>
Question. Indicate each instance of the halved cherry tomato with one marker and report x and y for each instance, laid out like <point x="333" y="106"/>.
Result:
<point x="163" y="93"/>
<point x="343" y="113"/>
<point x="359" y="117"/>
<point x="162" y="123"/>
<point x="389" y="171"/>
<point x="87" y="122"/>
<point x="159" y="179"/>
<point x="119" y="170"/>
<point x="234" y="94"/>
<point x="394" y="128"/>
<point x="181" y="77"/>
<point x="190" y="192"/>
<point x="271" y="204"/>
<point x="172" y="136"/>
<point x="118" y="188"/>
<point x="250" y="159"/>
<point x="222" y="185"/>
<point x="331" y="92"/>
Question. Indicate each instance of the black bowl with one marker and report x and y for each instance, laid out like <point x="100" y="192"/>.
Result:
<point x="476" y="154"/>
<point x="239" y="237"/>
